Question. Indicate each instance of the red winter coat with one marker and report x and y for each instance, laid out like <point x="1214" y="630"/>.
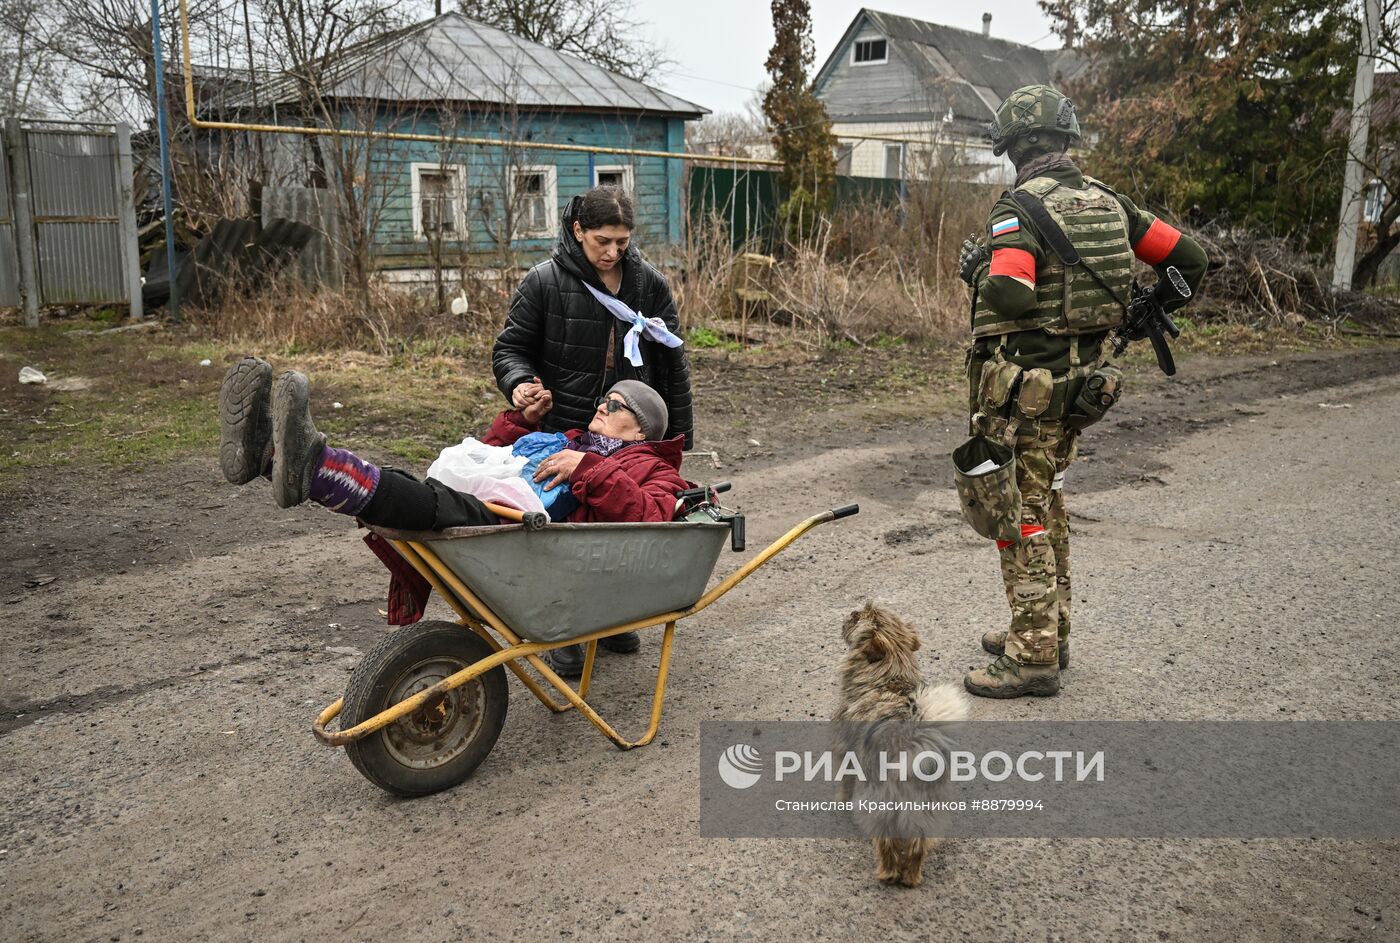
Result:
<point x="637" y="483"/>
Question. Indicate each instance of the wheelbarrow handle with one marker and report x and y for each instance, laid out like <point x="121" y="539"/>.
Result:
<point x="533" y="520"/>
<point x="846" y="510"/>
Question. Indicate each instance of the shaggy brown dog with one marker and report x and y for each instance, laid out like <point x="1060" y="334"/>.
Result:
<point x="887" y="708"/>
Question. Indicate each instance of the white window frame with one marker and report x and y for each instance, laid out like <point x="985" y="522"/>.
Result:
<point x="871" y="39"/>
<point x="459" y="220"/>
<point x="551" y="200"/>
<point x="624" y="169"/>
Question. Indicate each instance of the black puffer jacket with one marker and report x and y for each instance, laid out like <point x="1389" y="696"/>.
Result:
<point x="559" y="332"/>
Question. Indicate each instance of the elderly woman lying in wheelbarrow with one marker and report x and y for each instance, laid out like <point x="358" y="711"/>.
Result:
<point x="619" y="468"/>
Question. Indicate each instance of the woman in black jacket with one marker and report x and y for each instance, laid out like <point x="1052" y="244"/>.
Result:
<point x="562" y="337"/>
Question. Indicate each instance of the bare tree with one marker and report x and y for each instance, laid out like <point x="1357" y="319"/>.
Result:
<point x="602" y="31"/>
<point x="307" y="40"/>
<point x="740" y="133"/>
<point x="107" y="43"/>
<point x="33" y="74"/>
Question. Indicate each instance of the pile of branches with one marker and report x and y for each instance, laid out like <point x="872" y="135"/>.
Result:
<point x="1258" y="280"/>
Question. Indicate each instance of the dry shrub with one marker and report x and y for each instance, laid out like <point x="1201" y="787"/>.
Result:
<point x="860" y="297"/>
<point x="387" y="319"/>
<point x="871" y="270"/>
<point x="924" y="232"/>
<point x="868" y="271"/>
<point x="1264" y="281"/>
<point x="1254" y="278"/>
<point x="861" y="275"/>
<point x="703" y="276"/>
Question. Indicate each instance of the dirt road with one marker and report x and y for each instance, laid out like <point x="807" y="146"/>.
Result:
<point x="160" y="779"/>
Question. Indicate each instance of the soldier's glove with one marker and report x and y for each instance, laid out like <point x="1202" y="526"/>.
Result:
<point x="1141" y="311"/>
<point x="1134" y="330"/>
<point x="971" y="257"/>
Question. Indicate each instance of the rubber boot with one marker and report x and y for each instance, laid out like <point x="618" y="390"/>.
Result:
<point x="995" y="642"/>
<point x="245" y="420"/>
<point x="296" y="444"/>
<point x="1006" y="678"/>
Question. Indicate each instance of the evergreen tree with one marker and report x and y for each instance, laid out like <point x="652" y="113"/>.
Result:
<point x="1216" y="109"/>
<point x="801" y="129"/>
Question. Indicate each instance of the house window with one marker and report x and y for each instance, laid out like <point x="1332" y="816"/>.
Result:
<point x="438" y="194"/>
<point x="1375" y="202"/>
<point x="869" y="52"/>
<point x="894" y="161"/>
<point x="619" y="176"/>
<point x="534" y="199"/>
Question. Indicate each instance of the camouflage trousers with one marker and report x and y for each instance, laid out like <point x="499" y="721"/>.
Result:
<point x="1035" y="569"/>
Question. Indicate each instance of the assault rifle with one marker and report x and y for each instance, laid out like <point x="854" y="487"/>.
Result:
<point x="1146" y="317"/>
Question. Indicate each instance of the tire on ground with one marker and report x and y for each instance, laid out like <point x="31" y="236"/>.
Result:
<point x="439" y="745"/>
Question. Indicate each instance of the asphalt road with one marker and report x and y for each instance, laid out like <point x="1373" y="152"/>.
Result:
<point x="160" y="779"/>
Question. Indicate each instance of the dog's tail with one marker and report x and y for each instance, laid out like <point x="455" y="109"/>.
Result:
<point x="944" y="702"/>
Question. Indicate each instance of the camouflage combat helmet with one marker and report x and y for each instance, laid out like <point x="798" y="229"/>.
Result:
<point x="1033" y="108"/>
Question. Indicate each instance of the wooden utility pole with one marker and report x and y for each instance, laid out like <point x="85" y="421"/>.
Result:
<point x="1353" y="183"/>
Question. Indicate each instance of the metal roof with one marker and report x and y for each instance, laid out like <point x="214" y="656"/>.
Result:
<point x="453" y="58"/>
<point x="973" y="73"/>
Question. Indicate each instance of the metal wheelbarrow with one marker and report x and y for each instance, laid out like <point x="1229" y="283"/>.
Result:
<point x="425" y="707"/>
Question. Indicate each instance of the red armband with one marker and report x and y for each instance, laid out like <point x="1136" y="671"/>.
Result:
<point x="1015" y="263"/>
<point x="1157" y="243"/>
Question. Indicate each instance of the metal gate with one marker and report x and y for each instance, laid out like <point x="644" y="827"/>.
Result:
<point x="73" y="225"/>
<point x="9" y="262"/>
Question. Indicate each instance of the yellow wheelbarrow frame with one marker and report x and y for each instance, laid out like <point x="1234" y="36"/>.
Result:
<point x="510" y="649"/>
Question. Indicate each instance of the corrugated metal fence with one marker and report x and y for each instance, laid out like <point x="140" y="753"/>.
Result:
<point x="746" y="202"/>
<point x="70" y="222"/>
<point x="9" y="261"/>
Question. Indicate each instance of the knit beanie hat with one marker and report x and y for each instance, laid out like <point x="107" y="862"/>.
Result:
<point x="646" y="404"/>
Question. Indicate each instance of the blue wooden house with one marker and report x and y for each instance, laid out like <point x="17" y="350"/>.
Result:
<point x="425" y="200"/>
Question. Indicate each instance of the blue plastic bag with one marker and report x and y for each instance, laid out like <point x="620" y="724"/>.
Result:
<point x="535" y="447"/>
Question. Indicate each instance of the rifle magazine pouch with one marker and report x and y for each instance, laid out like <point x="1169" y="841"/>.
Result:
<point x="985" y="474"/>
<point x="1037" y="386"/>
<point x="1101" y="390"/>
<point x="998" y="380"/>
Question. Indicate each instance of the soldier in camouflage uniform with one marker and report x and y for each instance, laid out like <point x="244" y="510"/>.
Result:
<point x="1041" y="325"/>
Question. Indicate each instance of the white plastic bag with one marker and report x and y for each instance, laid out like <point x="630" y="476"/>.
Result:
<point x="487" y="472"/>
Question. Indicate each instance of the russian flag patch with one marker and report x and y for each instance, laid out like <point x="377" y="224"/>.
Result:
<point x="1006" y="226"/>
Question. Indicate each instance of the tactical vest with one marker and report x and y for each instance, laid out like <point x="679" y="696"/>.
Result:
<point x="1071" y="301"/>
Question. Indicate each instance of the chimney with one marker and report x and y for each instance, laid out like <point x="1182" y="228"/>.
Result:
<point x="986" y="24"/>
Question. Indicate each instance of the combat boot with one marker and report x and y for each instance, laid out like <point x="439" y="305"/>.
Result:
<point x="995" y="642"/>
<point x="1006" y="677"/>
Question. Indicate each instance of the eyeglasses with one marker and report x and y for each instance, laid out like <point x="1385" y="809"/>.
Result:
<point x="614" y="405"/>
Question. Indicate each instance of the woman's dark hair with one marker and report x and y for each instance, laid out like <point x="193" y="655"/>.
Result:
<point x="602" y="206"/>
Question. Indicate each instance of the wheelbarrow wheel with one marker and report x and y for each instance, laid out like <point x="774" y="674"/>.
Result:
<point x="438" y="745"/>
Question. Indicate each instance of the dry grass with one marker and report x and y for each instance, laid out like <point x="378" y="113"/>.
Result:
<point x="387" y="320"/>
<point x="871" y="271"/>
<point x="868" y="273"/>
